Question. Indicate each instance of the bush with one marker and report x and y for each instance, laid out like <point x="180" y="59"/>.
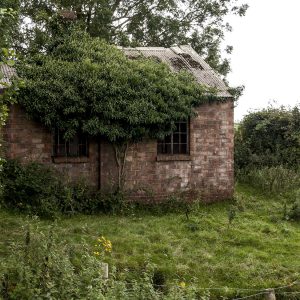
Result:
<point x="39" y="190"/>
<point x="31" y="188"/>
<point x="36" y="189"/>
<point x="293" y="213"/>
<point x="268" y="138"/>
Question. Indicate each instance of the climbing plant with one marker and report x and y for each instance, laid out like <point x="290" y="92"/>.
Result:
<point x="87" y="85"/>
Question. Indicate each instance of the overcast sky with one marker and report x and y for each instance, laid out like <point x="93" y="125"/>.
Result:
<point x="266" y="56"/>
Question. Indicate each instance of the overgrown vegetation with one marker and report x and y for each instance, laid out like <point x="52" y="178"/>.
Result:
<point x="155" y="257"/>
<point x="267" y="155"/>
<point x="44" y="266"/>
<point x="40" y="190"/>
<point x="85" y="85"/>
<point x="7" y="57"/>
<point x="268" y="138"/>
<point x="271" y="180"/>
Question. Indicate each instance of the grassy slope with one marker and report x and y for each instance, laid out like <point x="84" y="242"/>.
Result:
<point x="259" y="249"/>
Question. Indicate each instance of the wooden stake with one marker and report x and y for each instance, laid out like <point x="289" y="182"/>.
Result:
<point x="105" y="270"/>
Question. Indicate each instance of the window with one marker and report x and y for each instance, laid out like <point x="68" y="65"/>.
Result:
<point x="75" y="147"/>
<point x="177" y="142"/>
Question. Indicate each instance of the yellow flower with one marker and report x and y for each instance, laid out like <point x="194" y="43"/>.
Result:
<point x="97" y="253"/>
<point x="182" y="284"/>
<point x="104" y="244"/>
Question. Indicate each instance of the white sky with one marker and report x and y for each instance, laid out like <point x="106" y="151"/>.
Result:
<point x="266" y="56"/>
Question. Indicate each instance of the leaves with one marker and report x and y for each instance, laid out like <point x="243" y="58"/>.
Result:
<point x="86" y="84"/>
<point x="134" y="23"/>
<point x="269" y="137"/>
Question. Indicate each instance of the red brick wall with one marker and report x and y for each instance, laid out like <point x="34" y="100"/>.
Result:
<point x="27" y="140"/>
<point x="208" y="168"/>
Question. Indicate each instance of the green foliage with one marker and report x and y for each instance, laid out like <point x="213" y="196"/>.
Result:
<point x="31" y="188"/>
<point x="8" y="22"/>
<point x="162" y="248"/>
<point x="44" y="266"/>
<point x="86" y="84"/>
<point x="175" y="203"/>
<point x="231" y="213"/>
<point x="113" y="202"/>
<point x="137" y="23"/>
<point x="7" y="57"/>
<point x="272" y="180"/>
<point x="39" y="190"/>
<point x="35" y="189"/>
<point x="267" y="138"/>
<point x="293" y="212"/>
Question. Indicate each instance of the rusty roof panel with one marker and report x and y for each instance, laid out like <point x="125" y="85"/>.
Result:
<point x="184" y="58"/>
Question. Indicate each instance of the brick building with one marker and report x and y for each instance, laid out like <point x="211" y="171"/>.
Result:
<point x="198" y="156"/>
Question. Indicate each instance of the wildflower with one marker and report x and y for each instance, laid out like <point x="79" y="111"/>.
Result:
<point x="182" y="284"/>
<point x="104" y="245"/>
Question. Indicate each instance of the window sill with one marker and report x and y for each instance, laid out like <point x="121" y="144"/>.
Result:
<point x="69" y="160"/>
<point x="174" y="157"/>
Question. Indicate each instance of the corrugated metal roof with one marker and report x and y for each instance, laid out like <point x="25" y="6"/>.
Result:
<point x="183" y="57"/>
<point x="8" y="73"/>
<point x="178" y="58"/>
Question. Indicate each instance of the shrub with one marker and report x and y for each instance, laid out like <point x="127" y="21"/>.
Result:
<point x="268" y="138"/>
<point x="79" y="198"/>
<point x="31" y="188"/>
<point x="36" y="189"/>
<point x="293" y="212"/>
<point x="39" y="190"/>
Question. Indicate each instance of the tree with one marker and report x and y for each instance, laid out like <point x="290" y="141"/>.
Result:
<point x="7" y="57"/>
<point x="8" y="23"/>
<point x="200" y="23"/>
<point x="87" y="85"/>
<point x="269" y="137"/>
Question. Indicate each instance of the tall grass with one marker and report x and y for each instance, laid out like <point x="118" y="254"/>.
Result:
<point x="42" y="266"/>
<point x="271" y="180"/>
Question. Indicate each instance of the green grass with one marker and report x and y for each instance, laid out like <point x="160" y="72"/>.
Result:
<point x="258" y="250"/>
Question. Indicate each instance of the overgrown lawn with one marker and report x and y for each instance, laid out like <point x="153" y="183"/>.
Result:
<point x="258" y="250"/>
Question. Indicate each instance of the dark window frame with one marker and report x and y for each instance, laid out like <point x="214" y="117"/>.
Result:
<point x="175" y="144"/>
<point x="78" y="146"/>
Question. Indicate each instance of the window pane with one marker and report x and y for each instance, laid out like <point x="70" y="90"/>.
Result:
<point x="176" y="138"/>
<point x="176" y="148"/>
<point x="177" y="142"/>
<point x="183" y="127"/>
<point x="168" y="149"/>
<point x="76" y="146"/>
<point x="61" y="150"/>
<point x="183" y="149"/>
<point x="160" y="148"/>
<point x="167" y="139"/>
<point x="73" y="146"/>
